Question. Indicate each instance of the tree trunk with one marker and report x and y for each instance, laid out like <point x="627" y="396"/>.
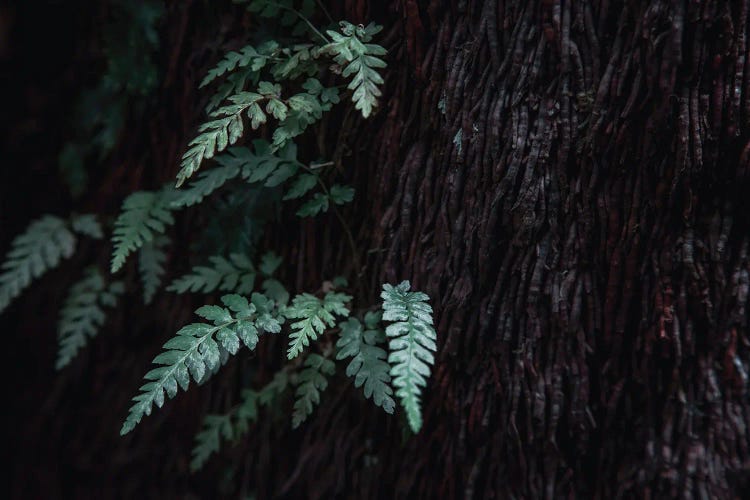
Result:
<point x="566" y="180"/>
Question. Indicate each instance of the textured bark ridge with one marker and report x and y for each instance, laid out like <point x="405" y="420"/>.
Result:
<point x="566" y="180"/>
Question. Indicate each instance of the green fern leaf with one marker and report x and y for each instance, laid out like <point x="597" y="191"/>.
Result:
<point x="233" y="84"/>
<point x="228" y="126"/>
<point x="310" y="383"/>
<point x="301" y="186"/>
<point x="315" y="205"/>
<point x="236" y="274"/>
<point x="87" y="225"/>
<point x="234" y="424"/>
<point x="361" y="61"/>
<point x="194" y="352"/>
<point x="40" y="248"/>
<point x="411" y="343"/>
<point x="314" y="316"/>
<point x="151" y="259"/>
<point x="83" y="313"/>
<point x="209" y="181"/>
<point x="368" y="366"/>
<point x="208" y="440"/>
<point x="143" y="215"/>
<point x="341" y="194"/>
<point x="246" y="56"/>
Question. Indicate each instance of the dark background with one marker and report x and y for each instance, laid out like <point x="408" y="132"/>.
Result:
<point x="631" y="385"/>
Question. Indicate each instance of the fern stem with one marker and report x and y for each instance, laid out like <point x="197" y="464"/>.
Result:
<point x="344" y="225"/>
<point x="325" y="11"/>
<point x="306" y="20"/>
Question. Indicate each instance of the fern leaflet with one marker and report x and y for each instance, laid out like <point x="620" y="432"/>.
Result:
<point x="246" y="56"/>
<point x="234" y="274"/>
<point x="351" y="50"/>
<point x="368" y="366"/>
<point x="83" y="315"/>
<point x="227" y="125"/>
<point x="198" y="347"/>
<point x="87" y="225"/>
<point x="143" y="214"/>
<point x="40" y="248"/>
<point x="234" y="424"/>
<point x="151" y="259"/>
<point x="314" y="316"/>
<point x="411" y="344"/>
<point x="310" y="383"/>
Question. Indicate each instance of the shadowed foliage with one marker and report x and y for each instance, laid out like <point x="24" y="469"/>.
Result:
<point x="566" y="180"/>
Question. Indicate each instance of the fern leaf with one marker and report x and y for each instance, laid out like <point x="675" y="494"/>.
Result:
<point x="208" y="440"/>
<point x="209" y="181"/>
<point x="87" y="225"/>
<point x="227" y="125"/>
<point x="270" y="166"/>
<point x="40" y="248"/>
<point x="143" y="215"/>
<point x="233" y="84"/>
<point x="310" y="383"/>
<point x="236" y="274"/>
<point x="341" y="194"/>
<point x="315" y="205"/>
<point x="368" y="366"/>
<point x="83" y="314"/>
<point x="411" y="343"/>
<point x="246" y="56"/>
<point x="151" y="259"/>
<point x="197" y="349"/>
<point x="234" y="424"/>
<point x="361" y="61"/>
<point x="314" y="316"/>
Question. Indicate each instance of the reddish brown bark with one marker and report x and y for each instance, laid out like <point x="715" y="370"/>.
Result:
<point x="567" y="181"/>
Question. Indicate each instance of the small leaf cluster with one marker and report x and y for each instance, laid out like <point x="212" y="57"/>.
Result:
<point x="45" y="243"/>
<point x="144" y="215"/>
<point x="368" y="365"/>
<point x="310" y="383"/>
<point x="83" y="315"/>
<point x="231" y="426"/>
<point x="411" y="341"/>
<point x="313" y="316"/>
<point x="360" y="60"/>
<point x="198" y="348"/>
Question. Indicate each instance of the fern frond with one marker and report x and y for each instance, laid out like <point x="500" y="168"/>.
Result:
<point x="143" y="215"/>
<point x="151" y="259"/>
<point x="320" y="202"/>
<point x="210" y="180"/>
<point x="411" y="343"/>
<point x="290" y="13"/>
<point x="314" y="316"/>
<point x="246" y="56"/>
<point x="236" y="274"/>
<point x="227" y="125"/>
<point x="208" y="440"/>
<point x="197" y="349"/>
<point x="310" y="383"/>
<point x="234" y="424"/>
<point x="40" y="248"/>
<point x="351" y="50"/>
<point x="304" y="109"/>
<point x="87" y="225"/>
<point x="83" y="314"/>
<point x="296" y="61"/>
<point x="268" y="165"/>
<point x="233" y="84"/>
<point x="368" y="366"/>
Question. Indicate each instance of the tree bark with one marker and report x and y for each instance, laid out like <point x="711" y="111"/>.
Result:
<point x="566" y="180"/>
